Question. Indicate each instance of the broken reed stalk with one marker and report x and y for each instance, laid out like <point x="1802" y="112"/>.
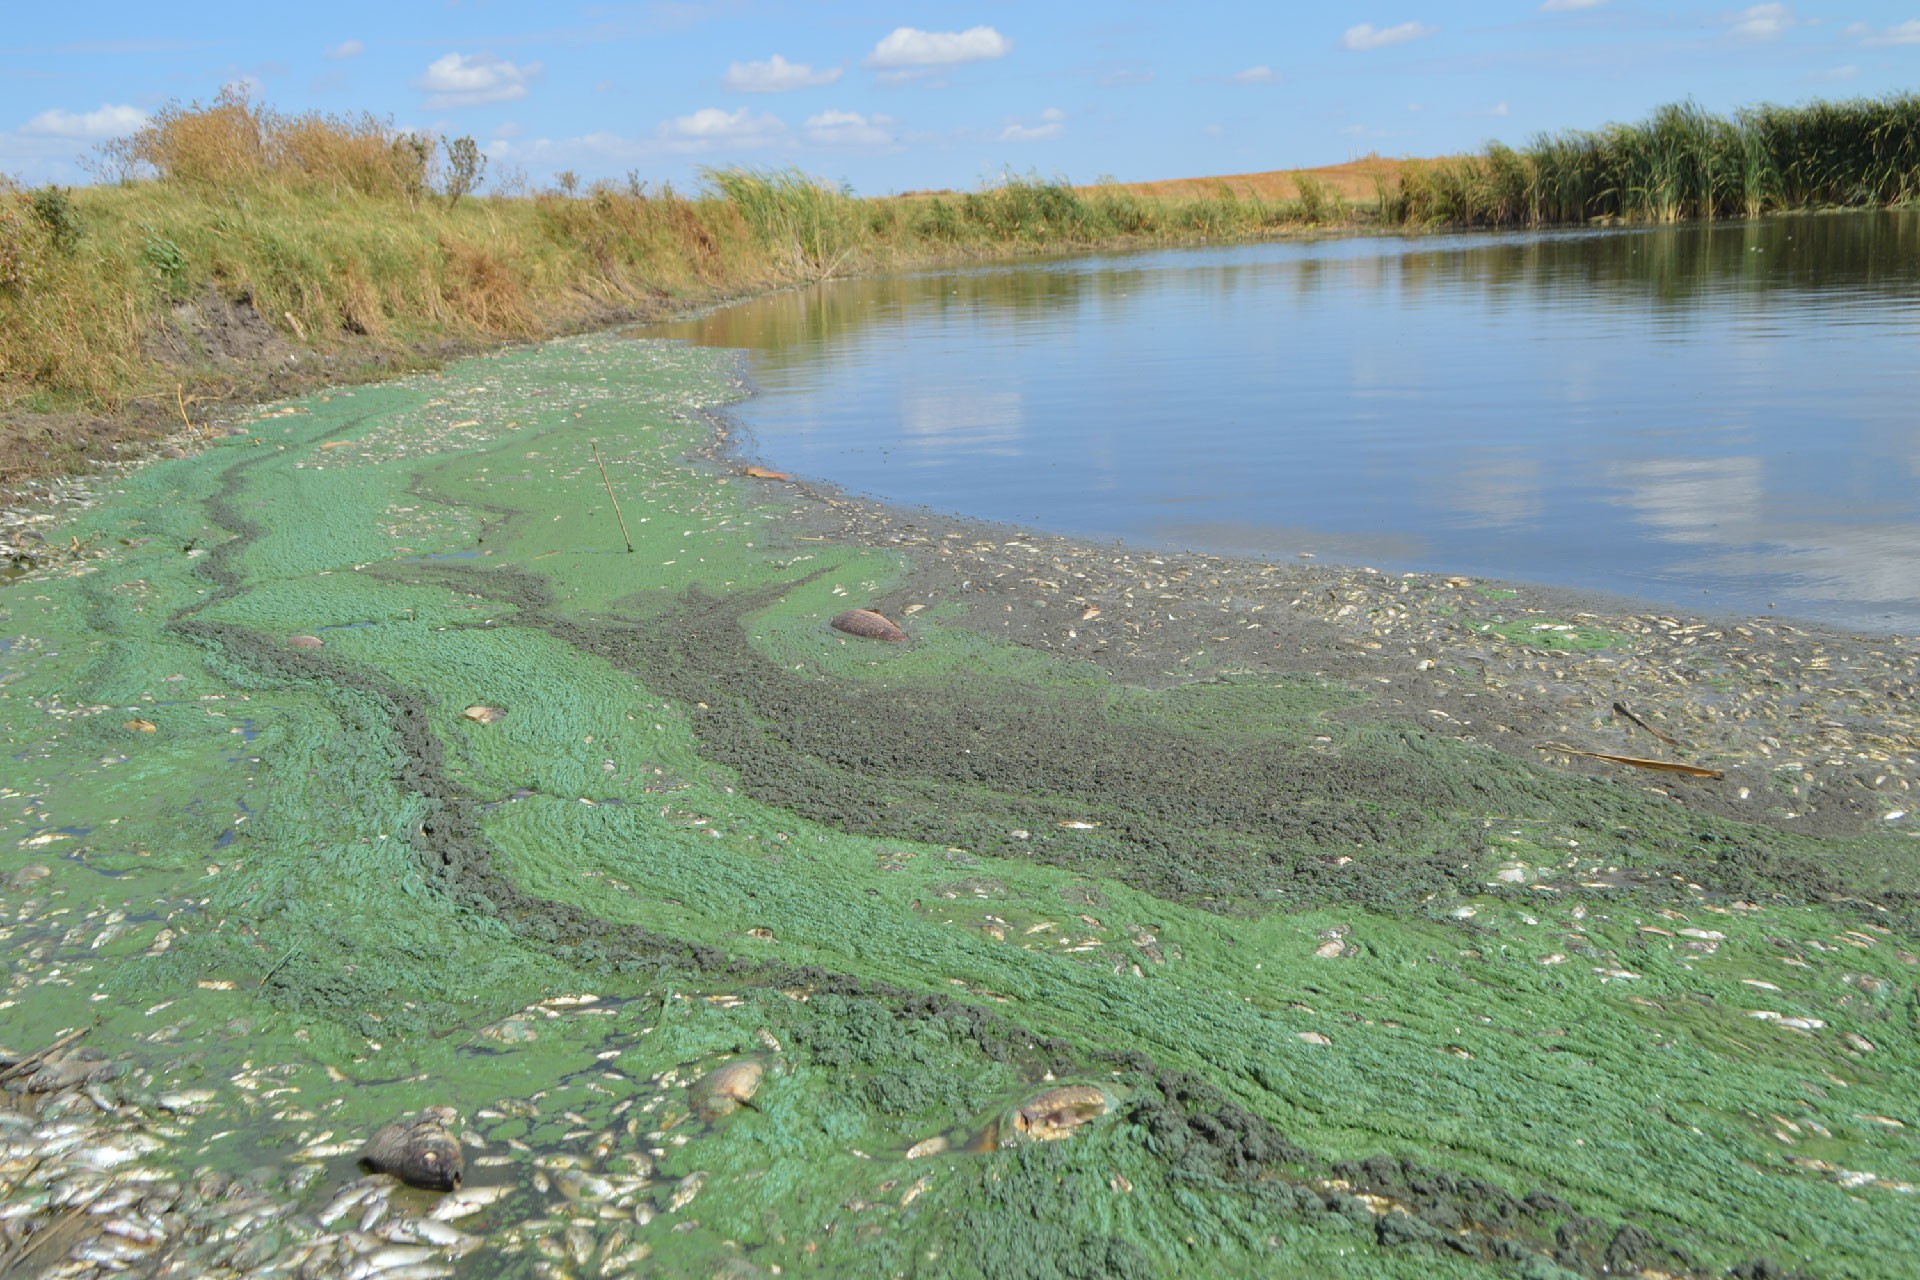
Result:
<point x="1620" y="708"/>
<point x="280" y="963"/>
<point x="615" y="501"/>
<point x="1636" y="762"/>
<point x="31" y="1061"/>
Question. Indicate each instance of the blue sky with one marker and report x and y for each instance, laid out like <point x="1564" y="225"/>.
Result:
<point x="900" y="96"/>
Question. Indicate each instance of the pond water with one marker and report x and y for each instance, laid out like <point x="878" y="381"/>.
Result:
<point x="1724" y="419"/>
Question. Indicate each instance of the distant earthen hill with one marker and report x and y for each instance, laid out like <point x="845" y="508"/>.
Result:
<point x="1354" y="180"/>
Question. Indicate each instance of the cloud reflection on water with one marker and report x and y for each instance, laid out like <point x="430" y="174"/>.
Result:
<point x="1716" y="417"/>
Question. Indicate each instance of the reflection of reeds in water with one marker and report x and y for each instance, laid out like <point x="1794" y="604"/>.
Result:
<point x="1681" y="163"/>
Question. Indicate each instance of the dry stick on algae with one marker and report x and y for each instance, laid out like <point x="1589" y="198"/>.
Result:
<point x="615" y="501"/>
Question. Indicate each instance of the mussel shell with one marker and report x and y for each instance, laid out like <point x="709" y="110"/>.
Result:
<point x="723" y="1090"/>
<point x="421" y="1152"/>
<point x="867" y="623"/>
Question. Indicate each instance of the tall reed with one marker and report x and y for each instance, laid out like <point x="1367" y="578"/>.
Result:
<point x="1683" y="162"/>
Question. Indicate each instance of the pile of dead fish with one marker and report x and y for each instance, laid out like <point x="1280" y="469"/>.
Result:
<point x="87" y="1189"/>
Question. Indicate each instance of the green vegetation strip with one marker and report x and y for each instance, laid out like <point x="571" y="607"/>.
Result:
<point x="1682" y="162"/>
<point x="1365" y="1002"/>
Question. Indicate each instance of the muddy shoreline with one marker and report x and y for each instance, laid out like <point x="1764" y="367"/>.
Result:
<point x="1816" y="730"/>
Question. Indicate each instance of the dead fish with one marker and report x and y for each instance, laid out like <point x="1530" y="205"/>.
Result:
<point x="762" y="473"/>
<point x="305" y="642"/>
<point x="69" y="1068"/>
<point x="467" y="1202"/>
<point x="869" y="625"/>
<point x="686" y="1190"/>
<point x="352" y="1194"/>
<point x="421" y="1152"/>
<point x="388" y="1259"/>
<point x="484" y="715"/>
<point x="725" y="1090"/>
<point x="442" y="1234"/>
<point x="1055" y="1113"/>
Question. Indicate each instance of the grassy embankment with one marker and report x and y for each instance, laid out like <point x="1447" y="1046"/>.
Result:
<point x="350" y="250"/>
<point x="1682" y="163"/>
<point x="348" y="239"/>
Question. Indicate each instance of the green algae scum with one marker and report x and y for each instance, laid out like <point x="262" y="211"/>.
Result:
<point x="356" y="767"/>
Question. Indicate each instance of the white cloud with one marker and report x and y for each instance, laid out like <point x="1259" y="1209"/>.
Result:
<point x="1763" y="22"/>
<point x="1498" y="109"/>
<point x="1569" y="6"/>
<point x="108" y="122"/>
<point x="776" y="75"/>
<point x="849" y="129"/>
<point x="711" y="127"/>
<point x="347" y="49"/>
<point x="1366" y="36"/>
<point x="458" y="80"/>
<point x="912" y="47"/>
<point x="1901" y="33"/>
<point x="1256" y="75"/>
<point x="1053" y="123"/>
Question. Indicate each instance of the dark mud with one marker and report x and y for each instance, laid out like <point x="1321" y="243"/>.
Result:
<point x="1386" y="817"/>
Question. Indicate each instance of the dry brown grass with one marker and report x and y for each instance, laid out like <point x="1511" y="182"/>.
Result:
<point x="234" y="143"/>
<point x="485" y="287"/>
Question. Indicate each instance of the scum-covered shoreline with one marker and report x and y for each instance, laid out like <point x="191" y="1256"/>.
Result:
<point x="1813" y="730"/>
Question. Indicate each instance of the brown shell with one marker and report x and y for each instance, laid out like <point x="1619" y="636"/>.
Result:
<point x="421" y="1153"/>
<point x="867" y="623"/>
<point x="725" y="1090"/>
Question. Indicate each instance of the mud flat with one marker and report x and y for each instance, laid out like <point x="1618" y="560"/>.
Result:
<point x="1140" y="915"/>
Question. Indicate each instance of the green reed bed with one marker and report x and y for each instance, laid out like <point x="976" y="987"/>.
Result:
<point x="1681" y="163"/>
